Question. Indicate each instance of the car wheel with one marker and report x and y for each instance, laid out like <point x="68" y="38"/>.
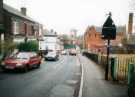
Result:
<point x="38" y="65"/>
<point x="25" y="69"/>
<point x="56" y="59"/>
<point x="4" y="70"/>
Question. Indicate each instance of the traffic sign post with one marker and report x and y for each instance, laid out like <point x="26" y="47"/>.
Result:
<point x="108" y="33"/>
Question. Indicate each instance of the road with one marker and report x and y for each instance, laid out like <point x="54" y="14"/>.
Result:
<point x="53" y="79"/>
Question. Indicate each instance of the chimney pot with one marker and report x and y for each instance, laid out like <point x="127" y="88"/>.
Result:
<point x="1" y="11"/>
<point x="1" y="4"/>
<point x="23" y="10"/>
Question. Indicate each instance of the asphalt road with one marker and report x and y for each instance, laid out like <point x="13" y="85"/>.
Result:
<point x="53" y="79"/>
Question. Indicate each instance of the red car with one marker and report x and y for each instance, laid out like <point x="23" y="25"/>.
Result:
<point x="22" y="60"/>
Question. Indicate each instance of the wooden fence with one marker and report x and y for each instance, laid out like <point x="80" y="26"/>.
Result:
<point x="121" y="68"/>
<point x="117" y="69"/>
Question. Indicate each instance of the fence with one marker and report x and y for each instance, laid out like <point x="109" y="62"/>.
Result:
<point x="121" y="68"/>
<point x="118" y="67"/>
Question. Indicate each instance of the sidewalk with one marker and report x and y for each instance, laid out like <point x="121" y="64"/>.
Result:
<point x="94" y="84"/>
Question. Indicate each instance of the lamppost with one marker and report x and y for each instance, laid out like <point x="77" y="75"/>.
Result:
<point x="108" y="33"/>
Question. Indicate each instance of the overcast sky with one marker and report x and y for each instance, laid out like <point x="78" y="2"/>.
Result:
<point x="63" y="15"/>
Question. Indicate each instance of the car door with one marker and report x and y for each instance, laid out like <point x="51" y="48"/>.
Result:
<point x="35" y="60"/>
<point x="31" y="62"/>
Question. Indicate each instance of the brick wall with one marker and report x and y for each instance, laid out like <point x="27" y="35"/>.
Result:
<point x="95" y="43"/>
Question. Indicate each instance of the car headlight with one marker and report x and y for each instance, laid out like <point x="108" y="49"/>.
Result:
<point x="18" y="64"/>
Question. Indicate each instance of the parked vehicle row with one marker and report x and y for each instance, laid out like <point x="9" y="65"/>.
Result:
<point x="73" y="52"/>
<point x="27" y="60"/>
<point x="69" y="52"/>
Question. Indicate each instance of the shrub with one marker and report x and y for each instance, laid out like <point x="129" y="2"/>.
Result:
<point x="6" y="48"/>
<point x="28" y="46"/>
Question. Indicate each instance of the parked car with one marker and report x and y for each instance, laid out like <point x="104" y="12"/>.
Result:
<point x="73" y="52"/>
<point x="53" y="55"/>
<point x="64" y="52"/>
<point x="22" y="61"/>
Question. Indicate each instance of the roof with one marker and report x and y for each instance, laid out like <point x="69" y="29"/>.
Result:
<point x="16" y="12"/>
<point x="49" y="34"/>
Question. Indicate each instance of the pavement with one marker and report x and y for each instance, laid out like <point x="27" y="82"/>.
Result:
<point x="52" y="79"/>
<point x="94" y="84"/>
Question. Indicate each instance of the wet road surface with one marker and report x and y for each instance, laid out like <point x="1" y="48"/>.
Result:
<point x="52" y="79"/>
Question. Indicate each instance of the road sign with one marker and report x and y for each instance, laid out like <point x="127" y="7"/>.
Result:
<point x="109" y="29"/>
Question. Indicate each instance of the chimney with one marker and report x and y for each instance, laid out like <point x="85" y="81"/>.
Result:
<point x="1" y="14"/>
<point x="130" y="23"/>
<point x="1" y="6"/>
<point x="23" y="10"/>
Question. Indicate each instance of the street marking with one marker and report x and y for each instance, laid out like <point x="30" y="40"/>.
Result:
<point x="82" y="78"/>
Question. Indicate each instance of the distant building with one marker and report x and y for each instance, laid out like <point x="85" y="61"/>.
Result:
<point x="50" y="42"/>
<point x="16" y="25"/>
<point x="93" y="39"/>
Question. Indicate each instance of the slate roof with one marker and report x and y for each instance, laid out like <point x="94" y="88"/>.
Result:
<point x="16" y="12"/>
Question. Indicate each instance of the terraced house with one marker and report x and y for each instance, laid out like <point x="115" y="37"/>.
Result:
<point x="16" y="26"/>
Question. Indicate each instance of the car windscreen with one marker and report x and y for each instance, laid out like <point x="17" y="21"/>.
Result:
<point x="22" y="56"/>
<point x="51" y="53"/>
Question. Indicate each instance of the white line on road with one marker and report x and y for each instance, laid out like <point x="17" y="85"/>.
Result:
<point x="82" y="77"/>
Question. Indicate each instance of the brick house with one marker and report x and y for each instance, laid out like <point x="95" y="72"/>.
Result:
<point x="93" y="39"/>
<point x="16" y="26"/>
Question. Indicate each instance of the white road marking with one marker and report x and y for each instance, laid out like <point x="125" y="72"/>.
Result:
<point x="82" y="78"/>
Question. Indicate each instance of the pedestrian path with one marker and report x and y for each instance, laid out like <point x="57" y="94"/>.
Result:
<point x="94" y="84"/>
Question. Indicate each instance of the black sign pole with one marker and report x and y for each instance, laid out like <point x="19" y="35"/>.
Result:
<point x="107" y="58"/>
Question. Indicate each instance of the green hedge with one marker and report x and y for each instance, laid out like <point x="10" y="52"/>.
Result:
<point x="91" y="56"/>
<point x="28" y="46"/>
<point x="69" y="46"/>
<point x="8" y="48"/>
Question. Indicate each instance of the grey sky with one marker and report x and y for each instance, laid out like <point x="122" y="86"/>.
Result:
<point x="63" y="15"/>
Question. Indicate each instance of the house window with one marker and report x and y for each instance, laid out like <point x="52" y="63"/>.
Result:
<point x="32" y="30"/>
<point x="15" y="27"/>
